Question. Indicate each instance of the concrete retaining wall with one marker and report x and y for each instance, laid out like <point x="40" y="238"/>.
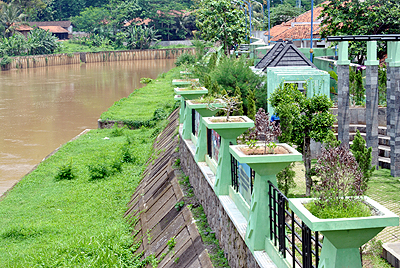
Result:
<point x="90" y="57"/>
<point x="236" y="251"/>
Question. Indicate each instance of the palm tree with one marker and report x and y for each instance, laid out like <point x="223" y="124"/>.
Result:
<point x="11" y="17"/>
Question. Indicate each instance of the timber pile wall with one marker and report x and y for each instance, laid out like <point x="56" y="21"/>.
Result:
<point x="25" y="62"/>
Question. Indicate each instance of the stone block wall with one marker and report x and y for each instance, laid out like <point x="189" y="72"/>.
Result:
<point x="358" y="116"/>
<point x="236" y="251"/>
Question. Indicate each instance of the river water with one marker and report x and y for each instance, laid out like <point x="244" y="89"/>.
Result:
<point x="42" y="108"/>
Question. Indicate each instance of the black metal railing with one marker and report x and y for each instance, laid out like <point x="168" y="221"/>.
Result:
<point x="235" y="175"/>
<point x="209" y="143"/>
<point x="289" y="234"/>
<point x="193" y="121"/>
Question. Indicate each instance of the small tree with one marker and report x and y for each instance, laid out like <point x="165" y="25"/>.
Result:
<point x="239" y="110"/>
<point x="303" y="119"/>
<point x="285" y="179"/>
<point x="251" y="103"/>
<point x="265" y="130"/>
<point x="231" y="105"/>
<point x="221" y="20"/>
<point x="363" y="156"/>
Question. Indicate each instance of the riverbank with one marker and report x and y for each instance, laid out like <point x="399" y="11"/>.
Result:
<point x="68" y="211"/>
<point x="24" y="62"/>
<point x="133" y="111"/>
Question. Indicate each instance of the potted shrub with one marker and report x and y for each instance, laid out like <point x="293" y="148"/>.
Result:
<point x="229" y="128"/>
<point x="345" y="217"/>
<point x="189" y="93"/>
<point x="200" y="106"/>
<point x="266" y="158"/>
<point x="184" y="82"/>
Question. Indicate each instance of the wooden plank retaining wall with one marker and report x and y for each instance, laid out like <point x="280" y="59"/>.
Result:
<point x="24" y="62"/>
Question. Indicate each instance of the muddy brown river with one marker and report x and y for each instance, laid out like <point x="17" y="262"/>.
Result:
<point x="42" y="108"/>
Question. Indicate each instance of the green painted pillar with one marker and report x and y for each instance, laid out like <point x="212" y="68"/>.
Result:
<point x="372" y="53"/>
<point x="258" y="225"/>
<point x="341" y="248"/>
<point x="229" y="131"/>
<point x="201" y="145"/>
<point x="343" y="56"/>
<point x="188" y="94"/>
<point x="182" y="110"/>
<point x="223" y="176"/>
<point x="266" y="167"/>
<point x="187" y="123"/>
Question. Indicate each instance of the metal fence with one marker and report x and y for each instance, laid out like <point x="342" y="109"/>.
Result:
<point x="235" y="175"/>
<point x="289" y="234"/>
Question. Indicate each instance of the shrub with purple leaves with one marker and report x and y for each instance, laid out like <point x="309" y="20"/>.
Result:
<point x="341" y="178"/>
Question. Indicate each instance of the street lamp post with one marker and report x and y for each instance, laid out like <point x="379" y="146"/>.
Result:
<point x="311" y="36"/>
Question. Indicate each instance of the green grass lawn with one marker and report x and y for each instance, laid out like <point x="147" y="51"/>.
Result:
<point x="158" y="94"/>
<point x="70" y="47"/>
<point x="76" y="223"/>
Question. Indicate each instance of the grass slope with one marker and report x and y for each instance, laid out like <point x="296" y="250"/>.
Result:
<point x="76" y="223"/>
<point x="135" y="107"/>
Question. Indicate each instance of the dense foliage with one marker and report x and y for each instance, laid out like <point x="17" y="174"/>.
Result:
<point x="38" y="42"/>
<point x="302" y="119"/>
<point x="284" y="13"/>
<point x="221" y="20"/>
<point x="360" y="17"/>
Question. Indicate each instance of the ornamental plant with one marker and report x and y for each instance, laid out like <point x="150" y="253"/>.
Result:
<point x="266" y="131"/>
<point x="229" y="107"/>
<point x="363" y="156"/>
<point x="341" y="187"/>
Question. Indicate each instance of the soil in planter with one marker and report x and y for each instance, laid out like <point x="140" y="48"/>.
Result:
<point x="260" y="150"/>
<point x="223" y="120"/>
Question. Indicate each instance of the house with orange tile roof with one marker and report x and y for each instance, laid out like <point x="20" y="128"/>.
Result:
<point x="298" y="30"/>
<point x="23" y="29"/>
<point x="61" y="29"/>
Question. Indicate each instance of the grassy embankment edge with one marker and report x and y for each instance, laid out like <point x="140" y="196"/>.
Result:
<point x="78" y="222"/>
<point x="133" y="110"/>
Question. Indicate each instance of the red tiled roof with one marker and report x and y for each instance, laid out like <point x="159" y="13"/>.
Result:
<point x="298" y="32"/>
<point x="175" y="13"/>
<point x="306" y="17"/>
<point x="298" y="27"/>
<point x="278" y="29"/>
<point x="23" y="28"/>
<point x="138" y="21"/>
<point x="54" y="29"/>
<point x="64" y="23"/>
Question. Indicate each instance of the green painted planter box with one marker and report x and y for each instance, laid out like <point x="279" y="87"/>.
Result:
<point x="188" y="94"/>
<point x="201" y="141"/>
<point x="266" y="167"/>
<point x="343" y="237"/>
<point x="185" y="74"/>
<point x="228" y="131"/>
<point x="184" y="82"/>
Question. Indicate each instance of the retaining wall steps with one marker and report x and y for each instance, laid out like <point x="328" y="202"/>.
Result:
<point x="383" y="142"/>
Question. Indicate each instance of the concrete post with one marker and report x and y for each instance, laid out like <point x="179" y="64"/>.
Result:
<point x="343" y="94"/>
<point x="388" y="60"/>
<point x="371" y="86"/>
<point x="393" y="108"/>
